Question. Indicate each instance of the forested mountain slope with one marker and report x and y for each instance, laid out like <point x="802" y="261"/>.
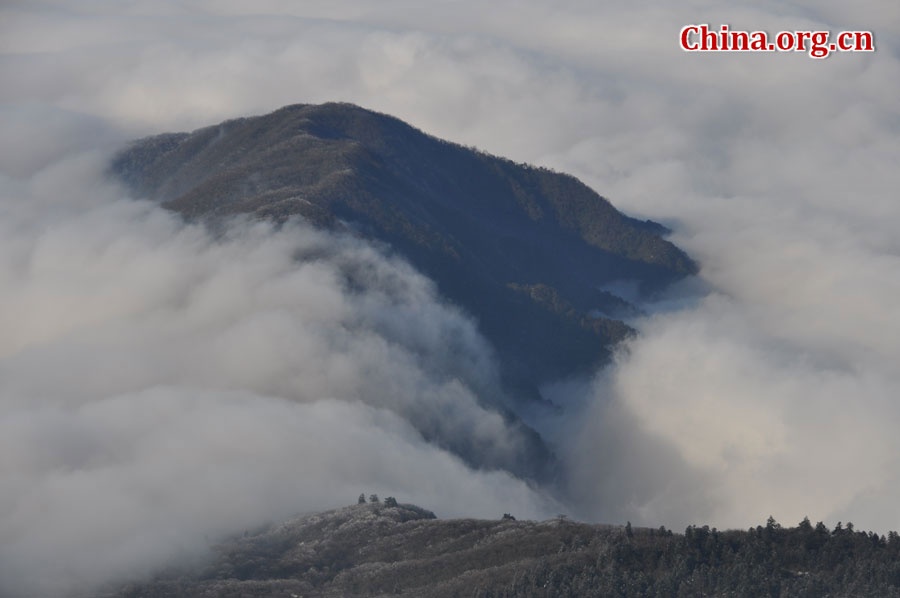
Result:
<point x="522" y="249"/>
<point x="379" y="550"/>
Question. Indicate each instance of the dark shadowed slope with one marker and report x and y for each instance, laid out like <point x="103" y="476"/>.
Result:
<point x="376" y="550"/>
<point x="523" y="249"/>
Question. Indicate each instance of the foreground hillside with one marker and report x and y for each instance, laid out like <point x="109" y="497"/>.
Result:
<point x="522" y="249"/>
<point x="378" y="550"/>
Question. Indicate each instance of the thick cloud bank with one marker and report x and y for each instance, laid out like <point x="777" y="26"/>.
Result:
<point x="161" y="387"/>
<point x="124" y="333"/>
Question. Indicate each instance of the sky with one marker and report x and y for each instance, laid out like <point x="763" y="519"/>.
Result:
<point x="159" y="387"/>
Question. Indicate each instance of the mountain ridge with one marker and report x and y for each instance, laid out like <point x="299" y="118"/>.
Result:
<point x="383" y="549"/>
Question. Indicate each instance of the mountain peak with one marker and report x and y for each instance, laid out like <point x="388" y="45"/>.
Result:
<point x="482" y="227"/>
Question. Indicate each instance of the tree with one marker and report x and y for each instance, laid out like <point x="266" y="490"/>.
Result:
<point x="390" y="501"/>
<point x="362" y="499"/>
<point x="373" y="498"/>
<point x="893" y="539"/>
<point x="628" y="531"/>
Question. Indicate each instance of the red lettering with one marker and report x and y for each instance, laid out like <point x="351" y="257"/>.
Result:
<point x="708" y="39"/>
<point x="759" y="41"/>
<point x="843" y="36"/>
<point x="686" y="38"/>
<point x="785" y="40"/>
<point x="740" y="40"/>
<point x="864" y="36"/>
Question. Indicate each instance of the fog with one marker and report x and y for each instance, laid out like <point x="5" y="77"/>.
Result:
<point x="124" y="333"/>
<point x="163" y="387"/>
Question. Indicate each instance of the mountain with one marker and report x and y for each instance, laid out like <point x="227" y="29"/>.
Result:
<point x="524" y="250"/>
<point x="403" y="550"/>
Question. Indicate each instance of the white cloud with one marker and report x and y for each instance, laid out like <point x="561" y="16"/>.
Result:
<point x="772" y="395"/>
<point x="161" y="386"/>
<point x="119" y="486"/>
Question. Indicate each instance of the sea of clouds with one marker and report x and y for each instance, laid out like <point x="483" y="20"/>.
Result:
<point x="161" y="386"/>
